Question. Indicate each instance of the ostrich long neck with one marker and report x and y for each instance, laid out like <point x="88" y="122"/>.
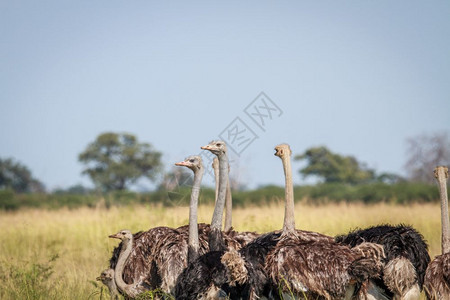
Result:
<point x="228" y="199"/>
<point x="228" y="206"/>
<point x="215" y="236"/>
<point x="127" y="247"/>
<point x="193" y="227"/>
<point x="289" y="221"/>
<point x="114" y="294"/>
<point x="442" y="176"/>
<point x="215" y="166"/>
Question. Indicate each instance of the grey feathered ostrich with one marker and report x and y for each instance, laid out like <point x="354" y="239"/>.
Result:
<point x="437" y="277"/>
<point x="305" y="266"/>
<point x="140" y="261"/>
<point x="195" y="164"/>
<point x="107" y="278"/>
<point x="135" y="288"/>
<point x="156" y="262"/>
<point x="216" y="242"/>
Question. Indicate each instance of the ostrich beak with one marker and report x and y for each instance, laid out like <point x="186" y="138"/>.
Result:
<point x="114" y="236"/>
<point x="181" y="164"/>
<point x="207" y="147"/>
<point x="99" y="278"/>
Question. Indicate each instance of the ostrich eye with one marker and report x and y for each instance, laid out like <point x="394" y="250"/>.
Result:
<point x="218" y="144"/>
<point x="191" y="160"/>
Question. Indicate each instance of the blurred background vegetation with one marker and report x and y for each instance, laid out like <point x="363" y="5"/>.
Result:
<point x="115" y="161"/>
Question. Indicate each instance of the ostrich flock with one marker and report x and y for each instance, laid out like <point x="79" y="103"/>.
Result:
<point x="202" y="261"/>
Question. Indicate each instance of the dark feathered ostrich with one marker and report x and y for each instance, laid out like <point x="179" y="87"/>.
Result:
<point x="406" y="258"/>
<point x="437" y="277"/>
<point x="107" y="278"/>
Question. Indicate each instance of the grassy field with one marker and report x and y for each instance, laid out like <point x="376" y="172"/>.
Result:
<point x="58" y="254"/>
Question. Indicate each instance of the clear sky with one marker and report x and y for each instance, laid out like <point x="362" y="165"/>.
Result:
<point x="357" y="76"/>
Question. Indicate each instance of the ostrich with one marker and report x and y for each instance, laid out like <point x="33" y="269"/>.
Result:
<point x="107" y="278"/>
<point x="153" y="265"/>
<point x="141" y="261"/>
<point x="406" y="258"/>
<point x="195" y="164"/>
<point x="218" y="148"/>
<point x="306" y="266"/>
<point x="133" y="289"/>
<point x="437" y="277"/>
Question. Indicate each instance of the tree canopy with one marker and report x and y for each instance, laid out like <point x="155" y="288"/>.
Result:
<point x="114" y="161"/>
<point x="15" y="176"/>
<point x="424" y="153"/>
<point x="332" y="167"/>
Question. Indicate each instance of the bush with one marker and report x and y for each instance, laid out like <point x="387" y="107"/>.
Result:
<point x="399" y="193"/>
<point x="7" y="201"/>
<point x="30" y="281"/>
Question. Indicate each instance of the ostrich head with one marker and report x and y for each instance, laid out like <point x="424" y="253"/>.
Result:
<point x="216" y="147"/>
<point x="124" y="235"/>
<point x="106" y="276"/>
<point x="441" y="173"/>
<point x="193" y="162"/>
<point x="282" y="150"/>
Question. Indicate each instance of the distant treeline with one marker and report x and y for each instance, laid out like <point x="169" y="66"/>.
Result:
<point x="399" y="193"/>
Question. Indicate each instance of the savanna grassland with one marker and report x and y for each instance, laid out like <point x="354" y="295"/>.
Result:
<point x="57" y="254"/>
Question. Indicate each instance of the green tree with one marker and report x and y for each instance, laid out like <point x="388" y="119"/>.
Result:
<point x="331" y="167"/>
<point x="114" y="161"/>
<point x="15" y="176"/>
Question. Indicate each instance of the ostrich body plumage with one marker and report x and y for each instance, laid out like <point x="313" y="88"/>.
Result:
<point x="437" y="278"/>
<point x="406" y="255"/>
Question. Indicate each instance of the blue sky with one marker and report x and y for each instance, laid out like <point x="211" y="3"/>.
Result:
<point x="357" y="76"/>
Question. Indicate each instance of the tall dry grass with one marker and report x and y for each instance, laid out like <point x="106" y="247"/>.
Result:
<point x="58" y="254"/>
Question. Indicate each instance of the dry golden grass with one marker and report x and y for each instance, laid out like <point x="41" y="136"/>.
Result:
<point x="80" y="238"/>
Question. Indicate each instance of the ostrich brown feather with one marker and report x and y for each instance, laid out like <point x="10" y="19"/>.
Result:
<point x="437" y="278"/>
